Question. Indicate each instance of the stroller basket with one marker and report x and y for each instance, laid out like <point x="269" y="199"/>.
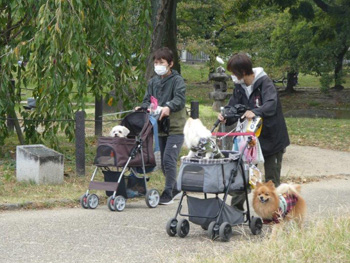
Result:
<point x="115" y="151"/>
<point x="204" y="211"/>
<point x="210" y="175"/>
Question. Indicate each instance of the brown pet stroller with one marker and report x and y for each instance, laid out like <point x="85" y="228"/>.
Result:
<point x="133" y="153"/>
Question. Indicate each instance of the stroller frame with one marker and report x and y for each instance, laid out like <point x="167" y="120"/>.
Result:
<point x="117" y="201"/>
<point x="218" y="227"/>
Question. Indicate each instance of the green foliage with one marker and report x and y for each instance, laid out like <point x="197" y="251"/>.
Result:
<point x="325" y="81"/>
<point x="72" y="48"/>
<point x="304" y="9"/>
<point x="202" y="25"/>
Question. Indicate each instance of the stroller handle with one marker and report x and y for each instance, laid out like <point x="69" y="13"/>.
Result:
<point x="215" y="125"/>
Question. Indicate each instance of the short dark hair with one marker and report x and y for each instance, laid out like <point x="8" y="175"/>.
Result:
<point x="240" y="64"/>
<point x="163" y="53"/>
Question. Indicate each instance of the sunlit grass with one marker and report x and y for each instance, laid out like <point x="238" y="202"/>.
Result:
<point x="195" y="73"/>
<point x="324" y="133"/>
<point x="324" y="240"/>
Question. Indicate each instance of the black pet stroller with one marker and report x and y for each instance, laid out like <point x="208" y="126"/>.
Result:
<point x="133" y="153"/>
<point x="225" y="176"/>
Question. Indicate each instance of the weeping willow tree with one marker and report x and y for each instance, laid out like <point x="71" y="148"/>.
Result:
<point x="67" y="49"/>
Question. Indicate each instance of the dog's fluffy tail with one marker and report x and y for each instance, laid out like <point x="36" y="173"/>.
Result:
<point x="289" y="189"/>
<point x="193" y="131"/>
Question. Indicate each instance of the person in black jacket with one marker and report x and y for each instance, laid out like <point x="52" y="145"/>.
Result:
<point x="254" y="89"/>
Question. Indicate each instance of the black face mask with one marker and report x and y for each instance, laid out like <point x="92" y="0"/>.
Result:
<point x="164" y="125"/>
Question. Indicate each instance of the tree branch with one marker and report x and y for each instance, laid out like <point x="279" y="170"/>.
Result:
<point x="329" y="9"/>
<point x="325" y="7"/>
<point x="223" y="29"/>
<point x="12" y="27"/>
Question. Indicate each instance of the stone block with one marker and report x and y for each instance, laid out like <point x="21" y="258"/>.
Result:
<point x="39" y="164"/>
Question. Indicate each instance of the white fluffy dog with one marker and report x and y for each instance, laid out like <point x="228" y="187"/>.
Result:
<point x="119" y="131"/>
<point x="198" y="140"/>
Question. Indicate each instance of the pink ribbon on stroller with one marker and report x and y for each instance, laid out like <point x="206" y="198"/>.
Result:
<point x="154" y="103"/>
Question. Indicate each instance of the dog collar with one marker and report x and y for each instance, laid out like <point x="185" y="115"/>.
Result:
<point x="283" y="204"/>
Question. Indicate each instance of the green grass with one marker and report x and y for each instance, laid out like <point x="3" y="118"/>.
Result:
<point x="324" y="133"/>
<point x="195" y="73"/>
<point x="310" y="81"/>
<point x="324" y="240"/>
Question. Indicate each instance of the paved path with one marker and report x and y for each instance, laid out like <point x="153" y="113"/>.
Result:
<point x="135" y="235"/>
<point x="312" y="161"/>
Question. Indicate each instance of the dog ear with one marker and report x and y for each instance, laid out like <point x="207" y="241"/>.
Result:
<point x="125" y="131"/>
<point x="297" y="187"/>
<point x="270" y="183"/>
<point x="258" y="184"/>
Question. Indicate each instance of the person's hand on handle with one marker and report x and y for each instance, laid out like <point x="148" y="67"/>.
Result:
<point x="221" y="118"/>
<point x="248" y="114"/>
<point x="165" y="112"/>
<point x="138" y="108"/>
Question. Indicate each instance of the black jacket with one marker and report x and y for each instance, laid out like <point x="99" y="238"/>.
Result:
<point x="264" y="102"/>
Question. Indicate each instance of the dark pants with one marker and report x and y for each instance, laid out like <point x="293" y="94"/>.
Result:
<point x="170" y="147"/>
<point x="273" y="165"/>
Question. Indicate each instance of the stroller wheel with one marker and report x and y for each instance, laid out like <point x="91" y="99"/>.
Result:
<point x="183" y="228"/>
<point x="92" y="201"/>
<point x="110" y="203"/>
<point x="225" y="232"/>
<point x="83" y="201"/>
<point x="204" y="227"/>
<point x="256" y="225"/>
<point x="171" y="227"/>
<point x="213" y="229"/>
<point x="119" y="203"/>
<point x="152" y="198"/>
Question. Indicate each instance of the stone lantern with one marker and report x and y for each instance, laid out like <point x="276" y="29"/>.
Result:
<point x="220" y="97"/>
<point x="220" y="94"/>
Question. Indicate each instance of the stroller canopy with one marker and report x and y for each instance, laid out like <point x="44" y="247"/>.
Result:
<point x="136" y="122"/>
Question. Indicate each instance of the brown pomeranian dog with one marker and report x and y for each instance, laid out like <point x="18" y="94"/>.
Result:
<point x="278" y="205"/>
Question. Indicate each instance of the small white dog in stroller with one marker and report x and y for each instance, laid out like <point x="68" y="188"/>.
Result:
<point x="119" y="131"/>
<point x="198" y="140"/>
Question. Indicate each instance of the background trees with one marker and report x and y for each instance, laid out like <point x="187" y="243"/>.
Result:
<point x="70" y="48"/>
<point x="65" y="49"/>
<point x="164" y="31"/>
<point x="325" y="24"/>
<point x="203" y="26"/>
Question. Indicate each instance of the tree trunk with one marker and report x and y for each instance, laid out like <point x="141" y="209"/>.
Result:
<point x="164" y="32"/>
<point x="11" y="112"/>
<point x="291" y="82"/>
<point x="338" y="69"/>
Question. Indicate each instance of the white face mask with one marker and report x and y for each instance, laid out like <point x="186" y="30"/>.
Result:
<point x="237" y="81"/>
<point x="160" y="70"/>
